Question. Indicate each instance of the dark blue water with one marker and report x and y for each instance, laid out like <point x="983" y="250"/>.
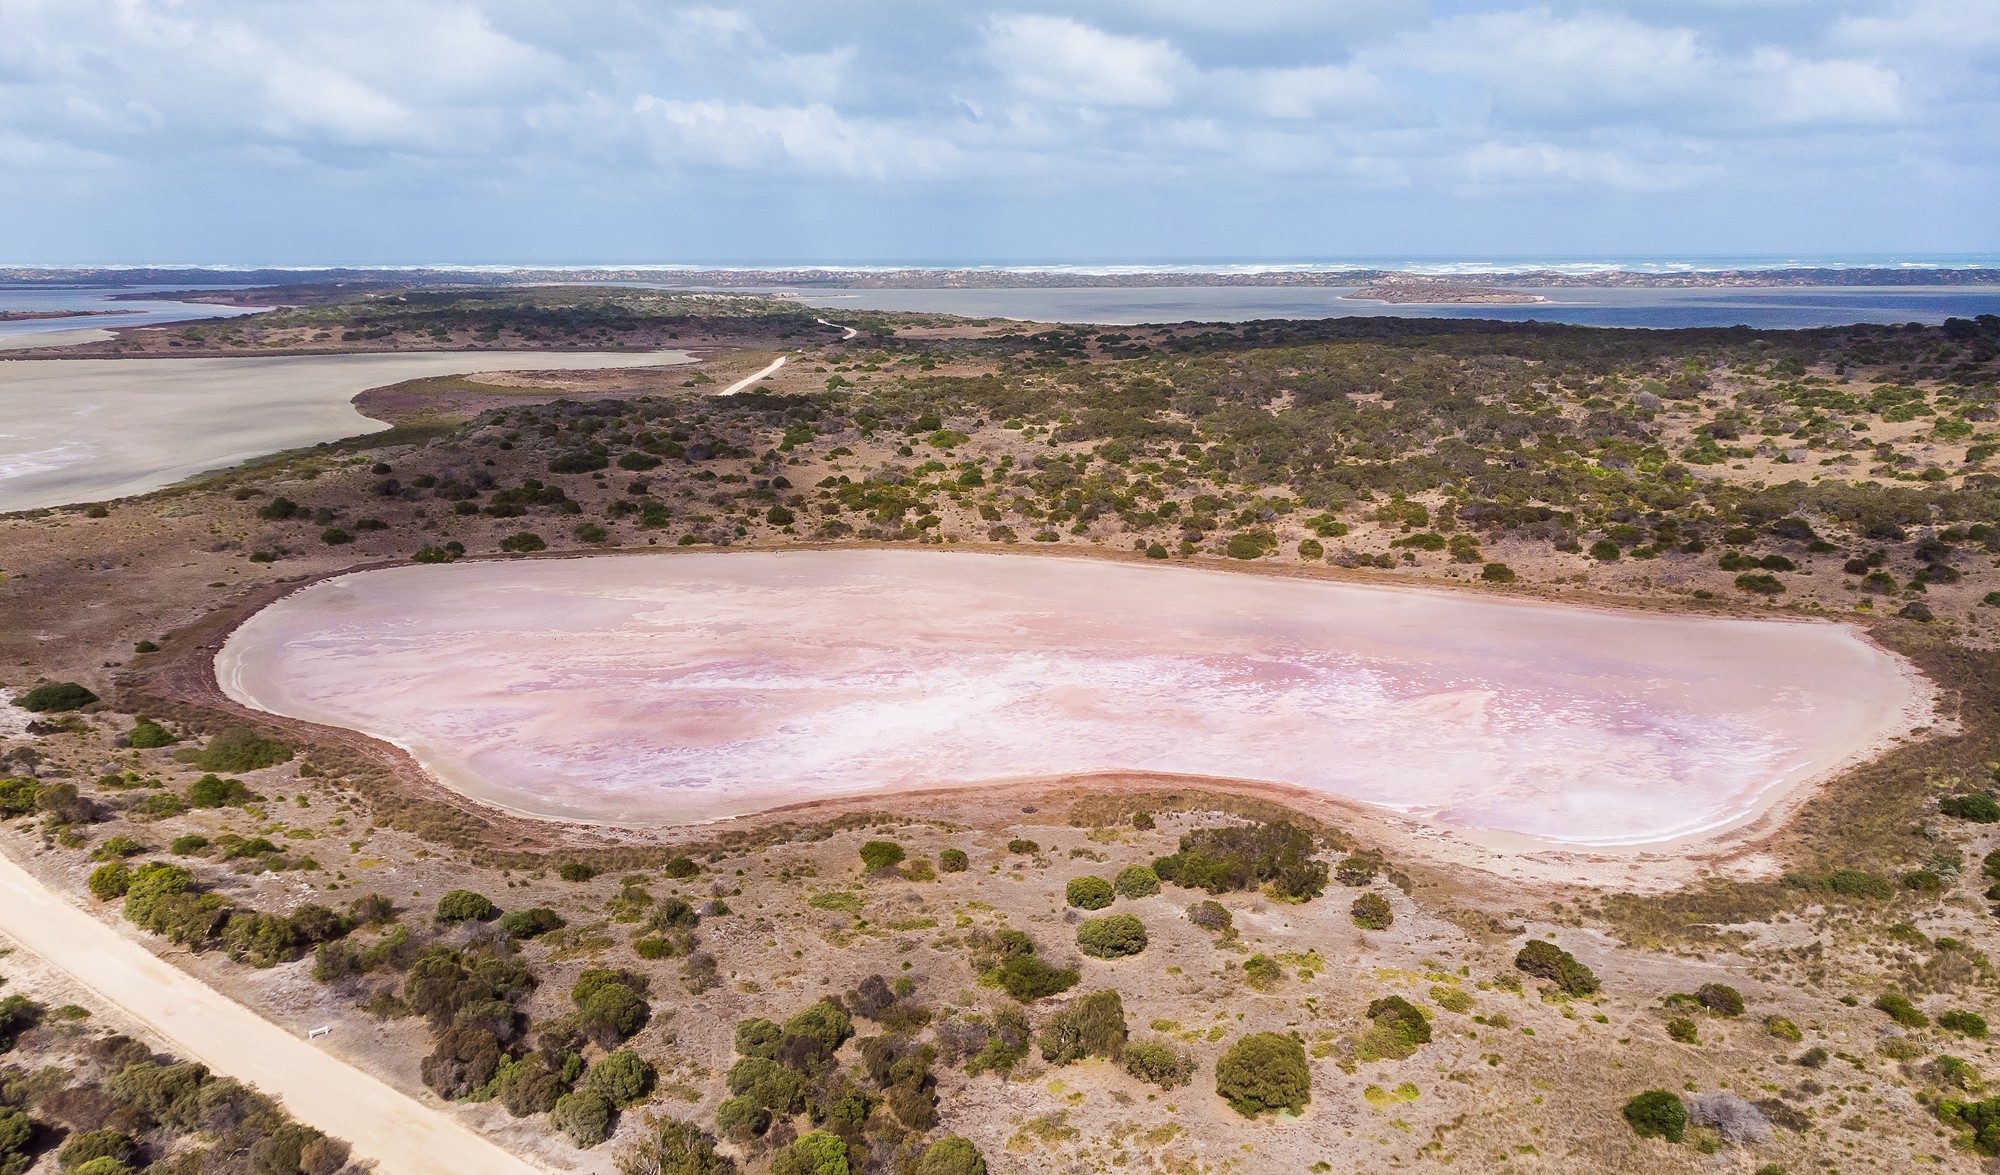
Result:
<point x="1774" y="309"/>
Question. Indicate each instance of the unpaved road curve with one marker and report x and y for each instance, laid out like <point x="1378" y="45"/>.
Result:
<point x="740" y="384"/>
<point x="403" y="1136"/>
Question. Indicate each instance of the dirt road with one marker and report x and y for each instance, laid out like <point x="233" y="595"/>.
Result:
<point x="401" y="1135"/>
<point x="740" y="384"/>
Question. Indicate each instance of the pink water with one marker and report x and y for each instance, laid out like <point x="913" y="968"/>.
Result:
<point x="659" y="690"/>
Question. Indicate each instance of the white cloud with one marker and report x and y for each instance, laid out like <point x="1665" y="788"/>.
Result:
<point x="1546" y="165"/>
<point x="807" y="138"/>
<point x="1055" y="58"/>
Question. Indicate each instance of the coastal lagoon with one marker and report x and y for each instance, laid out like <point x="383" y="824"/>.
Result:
<point x="661" y="689"/>
<point x="81" y="430"/>
<point x="1783" y="308"/>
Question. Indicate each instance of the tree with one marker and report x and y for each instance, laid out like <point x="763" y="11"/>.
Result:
<point x="1657" y="1113"/>
<point x="1136" y="881"/>
<point x="1094" y="1026"/>
<point x="462" y="905"/>
<point x="1371" y="911"/>
<point x="881" y="854"/>
<point x="55" y="697"/>
<point x="622" y="1078"/>
<point x="1114" y="937"/>
<point x="1548" y="961"/>
<point x="817" y="1153"/>
<point x="1089" y="893"/>
<point x="951" y="1155"/>
<point x="668" y="1146"/>
<point x="1264" y="1071"/>
<point x="585" y="1117"/>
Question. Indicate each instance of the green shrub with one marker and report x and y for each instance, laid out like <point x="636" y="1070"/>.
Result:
<point x="1403" y="1019"/>
<point x="1657" y="1113"/>
<point x="462" y="905"/>
<point x="523" y="542"/>
<point x="585" y="1118"/>
<point x="1371" y="911"/>
<point x="239" y="749"/>
<point x="741" y="1118"/>
<point x="1783" y="1029"/>
<point x="779" y="516"/>
<point x="1683" y="1030"/>
<point x="147" y="735"/>
<point x="576" y="871"/>
<point x="55" y="697"/>
<point x="1159" y="1063"/>
<point x="1093" y="1026"/>
<point x="822" y="1022"/>
<point x="333" y="536"/>
<point x="1027" y="978"/>
<point x="1308" y="549"/>
<point x="1497" y="573"/>
<point x="1221" y="860"/>
<point x="1970" y="1024"/>
<point x="212" y="791"/>
<point x="951" y="1155"/>
<point x="1901" y="1010"/>
<point x="1604" y="551"/>
<point x="117" y="846"/>
<point x="1136" y="881"/>
<point x="1264" y="1071"/>
<point x="1763" y="585"/>
<point x="87" y="1145"/>
<point x="1114" y="937"/>
<point x="1262" y="972"/>
<point x="758" y="1037"/>
<point x="183" y="846"/>
<point x="531" y="923"/>
<point x="1978" y="807"/>
<point x="1923" y="881"/>
<point x="1720" y="998"/>
<point x="1213" y="917"/>
<point x="145" y="647"/>
<point x="1088" y="893"/>
<point x="816" y="1153"/>
<point x="18" y="795"/>
<point x="1023" y="846"/>
<point x="953" y="860"/>
<point x="677" y="869"/>
<point x="110" y="881"/>
<point x="1980" y="1120"/>
<point x="881" y="854"/>
<point x="623" y="1078"/>
<point x="1547" y="961"/>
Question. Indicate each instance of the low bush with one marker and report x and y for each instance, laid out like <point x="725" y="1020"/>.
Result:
<point x="55" y="697"/>
<point x="1970" y="1024"/>
<point x="677" y="869"/>
<point x="1497" y="573"/>
<point x="1261" y="972"/>
<point x="1404" y="1019"/>
<point x="147" y="735"/>
<point x="576" y="871"/>
<point x="110" y="881"/>
<point x="1720" y="998"/>
<point x="585" y="1117"/>
<point x="1657" y="1113"/>
<point x="1783" y="1029"/>
<point x="1093" y="1026"/>
<point x="531" y="923"/>
<point x="951" y="1155"/>
<point x="213" y="791"/>
<point x="881" y="854"/>
<point x="1160" y="1063"/>
<point x="1277" y="856"/>
<point x="1264" y="1071"/>
<point x="623" y="1078"/>
<point x="1548" y="961"/>
<point x="240" y="749"/>
<point x="1901" y="1010"/>
<point x="1978" y="808"/>
<point x="1114" y="937"/>
<point x="1023" y="846"/>
<point x="953" y="860"/>
<point x="1683" y="1030"/>
<point x="1213" y="917"/>
<point x="523" y="543"/>
<point x="1088" y="893"/>
<point x="462" y="905"/>
<point x="1371" y="911"/>
<point x="1136" y="881"/>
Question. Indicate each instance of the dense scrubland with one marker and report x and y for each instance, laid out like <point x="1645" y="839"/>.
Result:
<point x="1153" y="978"/>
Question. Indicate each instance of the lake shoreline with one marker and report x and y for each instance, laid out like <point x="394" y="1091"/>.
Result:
<point x="1769" y="808"/>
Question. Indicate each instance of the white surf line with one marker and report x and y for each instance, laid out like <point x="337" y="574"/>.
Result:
<point x="851" y="332"/>
<point x="402" y="1135"/>
<point x="740" y="384"/>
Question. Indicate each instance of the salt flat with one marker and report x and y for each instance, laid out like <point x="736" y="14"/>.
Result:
<point x="662" y="689"/>
<point x="80" y="430"/>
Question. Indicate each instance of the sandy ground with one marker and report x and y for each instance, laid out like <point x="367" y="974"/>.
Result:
<point x="384" y="1125"/>
<point x="87" y="429"/>
<point x="56" y="338"/>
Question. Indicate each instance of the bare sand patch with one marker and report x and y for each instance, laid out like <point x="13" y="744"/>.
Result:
<point x="666" y="690"/>
<point x="76" y="430"/>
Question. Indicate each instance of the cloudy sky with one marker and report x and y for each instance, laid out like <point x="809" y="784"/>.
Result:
<point x="304" y="131"/>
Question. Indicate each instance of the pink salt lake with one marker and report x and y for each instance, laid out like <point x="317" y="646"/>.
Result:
<point x="660" y="690"/>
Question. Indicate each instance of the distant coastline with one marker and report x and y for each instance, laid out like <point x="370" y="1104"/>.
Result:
<point x="921" y="278"/>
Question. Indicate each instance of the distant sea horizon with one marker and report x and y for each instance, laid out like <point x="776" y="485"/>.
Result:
<point x="1432" y="264"/>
